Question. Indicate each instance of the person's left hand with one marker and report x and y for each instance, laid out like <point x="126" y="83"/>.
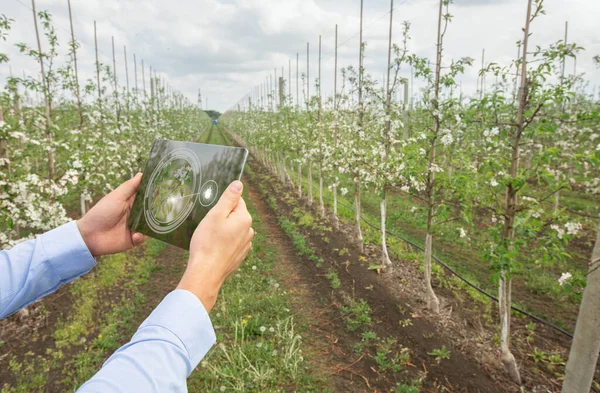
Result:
<point x="104" y="228"/>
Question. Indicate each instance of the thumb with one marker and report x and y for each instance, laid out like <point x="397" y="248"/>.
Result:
<point x="130" y="187"/>
<point x="229" y="199"/>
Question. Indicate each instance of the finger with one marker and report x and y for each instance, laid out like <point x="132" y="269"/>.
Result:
<point x="230" y="199"/>
<point x="240" y="207"/>
<point x="130" y="187"/>
<point x="137" y="238"/>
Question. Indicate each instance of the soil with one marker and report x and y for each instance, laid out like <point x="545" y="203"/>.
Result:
<point x="460" y="373"/>
<point x="466" y="327"/>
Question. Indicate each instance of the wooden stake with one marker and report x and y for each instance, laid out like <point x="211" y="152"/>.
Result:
<point x="360" y="125"/>
<point x="562" y="71"/>
<point x="116" y="87"/>
<point x="143" y="78"/>
<point x="46" y="85"/>
<point x="97" y="64"/>
<point x="319" y="85"/>
<point x="336" y="222"/>
<point x="135" y="76"/>
<point x="73" y="43"/>
<point x="127" y="79"/>
<point x="307" y="75"/>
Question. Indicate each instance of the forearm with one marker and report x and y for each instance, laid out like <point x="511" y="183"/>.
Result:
<point x="163" y="352"/>
<point x="36" y="268"/>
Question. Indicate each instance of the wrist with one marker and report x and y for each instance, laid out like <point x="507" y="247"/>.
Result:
<point x="85" y="235"/>
<point x="201" y="285"/>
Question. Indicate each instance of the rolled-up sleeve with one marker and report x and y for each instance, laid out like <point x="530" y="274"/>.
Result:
<point x="163" y="352"/>
<point x="35" y="268"/>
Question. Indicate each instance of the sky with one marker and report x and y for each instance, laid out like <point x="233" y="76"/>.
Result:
<point x="226" y="47"/>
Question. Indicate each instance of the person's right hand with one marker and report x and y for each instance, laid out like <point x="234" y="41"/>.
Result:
<point x="218" y="247"/>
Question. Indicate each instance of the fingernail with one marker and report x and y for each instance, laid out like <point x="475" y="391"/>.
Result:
<point x="236" y="186"/>
<point x="139" y="174"/>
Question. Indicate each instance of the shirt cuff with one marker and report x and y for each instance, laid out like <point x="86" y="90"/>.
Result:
<point x="67" y="252"/>
<point x="184" y="315"/>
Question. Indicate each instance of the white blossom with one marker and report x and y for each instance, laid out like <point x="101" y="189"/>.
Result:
<point x="447" y="139"/>
<point x="559" y="231"/>
<point x="573" y="228"/>
<point x="564" y="278"/>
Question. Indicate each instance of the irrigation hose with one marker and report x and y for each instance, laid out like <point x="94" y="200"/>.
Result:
<point x="463" y="279"/>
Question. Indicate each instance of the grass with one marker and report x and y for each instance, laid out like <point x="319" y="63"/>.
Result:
<point x="260" y="340"/>
<point x="260" y="344"/>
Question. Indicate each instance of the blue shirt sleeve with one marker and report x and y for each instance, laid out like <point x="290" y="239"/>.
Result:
<point x="35" y="268"/>
<point x="162" y="353"/>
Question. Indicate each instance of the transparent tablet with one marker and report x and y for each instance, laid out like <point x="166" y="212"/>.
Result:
<point x="182" y="181"/>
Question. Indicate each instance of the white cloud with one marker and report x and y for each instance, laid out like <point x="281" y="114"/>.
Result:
<point x="226" y="47"/>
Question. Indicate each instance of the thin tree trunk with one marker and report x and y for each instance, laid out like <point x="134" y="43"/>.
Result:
<point x="433" y="302"/>
<point x="336" y="220"/>
<point x="310" y="191"/>
<point x="321" y="202"/>
<point x="585" y="348"/>
<point x="299" y="180"/>
<point x="387" y="141"/>
<point x="385" y="256"/>
<point x="508" y="232"/>
<point x="357" y="215"/>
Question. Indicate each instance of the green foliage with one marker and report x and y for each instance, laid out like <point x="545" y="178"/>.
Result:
<point x="389" y="360"/>
<point x="440" y="353"/>
<point x="335" y="281"/>
<point x="358" y="314"/>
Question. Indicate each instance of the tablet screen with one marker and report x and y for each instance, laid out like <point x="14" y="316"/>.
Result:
<point x="182" y="181"/>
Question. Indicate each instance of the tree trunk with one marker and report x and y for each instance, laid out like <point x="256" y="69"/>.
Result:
<point x="310" y="193"/>
<point x="433" y="302"/>
<point x="583" y="357"/>
<point x="504" y="302"/>
<point x="336" y="221"/>
<point x="357" y="215"/>
<point x="385" y="259"/>
<point x="321" y="203"/>
<point x="299" y="180"/>
<point x="510" y="211"/>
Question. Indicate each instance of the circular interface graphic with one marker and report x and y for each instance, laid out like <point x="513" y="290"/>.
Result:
<point x="172" y="191"/>
<point x="208" y="193"/>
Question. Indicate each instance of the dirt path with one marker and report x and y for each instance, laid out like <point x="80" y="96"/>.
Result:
<point x="331" y="340"/>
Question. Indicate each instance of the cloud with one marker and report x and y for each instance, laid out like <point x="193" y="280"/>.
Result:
<point x="227" y="47"/>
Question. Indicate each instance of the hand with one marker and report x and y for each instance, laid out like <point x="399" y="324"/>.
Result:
<point x="104" y="228"/>
<point x="218" y="247"/>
